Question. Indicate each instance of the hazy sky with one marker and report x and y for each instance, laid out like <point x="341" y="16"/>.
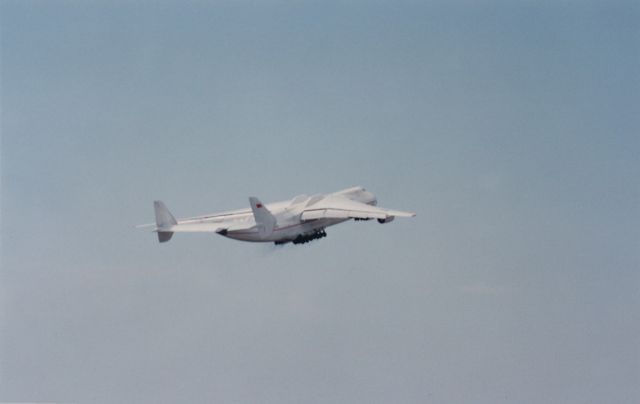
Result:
<point x="511" y="128"/>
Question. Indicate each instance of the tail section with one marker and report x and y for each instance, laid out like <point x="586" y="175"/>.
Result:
<point x="264" y="219"/>
<point x="164" y="219"/>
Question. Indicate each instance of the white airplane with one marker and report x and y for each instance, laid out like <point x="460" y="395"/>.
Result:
<point x="298" y="220"/>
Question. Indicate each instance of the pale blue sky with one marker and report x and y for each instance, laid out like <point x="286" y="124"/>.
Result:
<point x="511" y="128"/>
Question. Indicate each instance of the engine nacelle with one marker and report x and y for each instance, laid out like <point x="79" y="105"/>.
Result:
<point x="387" y="220"/>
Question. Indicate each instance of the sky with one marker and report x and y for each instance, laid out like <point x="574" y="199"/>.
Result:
<point x="511" y="128"/>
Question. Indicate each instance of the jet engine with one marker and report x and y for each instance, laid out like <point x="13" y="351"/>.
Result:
<point x="386" y="220"/>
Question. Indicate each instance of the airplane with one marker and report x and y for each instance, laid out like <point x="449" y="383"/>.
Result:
<point x="298" y="220"/>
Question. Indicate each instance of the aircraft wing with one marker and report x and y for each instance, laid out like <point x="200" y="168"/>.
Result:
<point x="338" y="207"/>
<point x="166" y="224"/>
<point x="203" y="227"/>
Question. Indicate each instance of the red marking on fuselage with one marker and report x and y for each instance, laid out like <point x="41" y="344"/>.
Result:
<point x="258" y="205"/>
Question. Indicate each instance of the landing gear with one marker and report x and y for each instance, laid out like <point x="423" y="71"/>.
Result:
<point x="305" y="238"/>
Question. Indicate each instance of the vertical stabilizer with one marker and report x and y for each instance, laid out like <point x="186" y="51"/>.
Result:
<point x="164" y="219"/>
<point x="264" y="219"/>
